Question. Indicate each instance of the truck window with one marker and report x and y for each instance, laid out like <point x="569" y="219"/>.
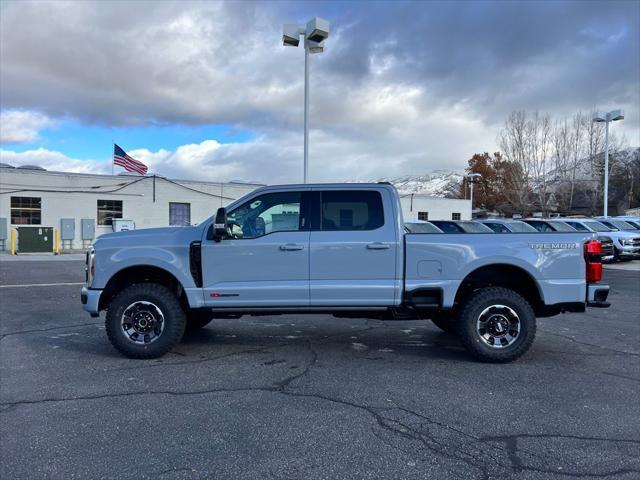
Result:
<point x="351" y="210"/>
<point x="268" y="213"/>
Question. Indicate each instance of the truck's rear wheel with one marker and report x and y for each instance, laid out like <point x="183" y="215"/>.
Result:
<point x="496" y="325"/>
<point x="145" y="321"/>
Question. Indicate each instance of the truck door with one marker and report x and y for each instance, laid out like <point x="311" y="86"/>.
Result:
<point x="353" y="249"/>
<point x="266" y="262"/>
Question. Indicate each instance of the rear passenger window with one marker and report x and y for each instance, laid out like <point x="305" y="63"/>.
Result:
<point x="351" y="210"/>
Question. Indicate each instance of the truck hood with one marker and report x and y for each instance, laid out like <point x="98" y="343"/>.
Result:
<point x="149" y="236"/>
<point x="621" y="234"/>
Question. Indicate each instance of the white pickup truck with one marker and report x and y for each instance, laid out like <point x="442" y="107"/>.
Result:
<point x="339" y="249"/>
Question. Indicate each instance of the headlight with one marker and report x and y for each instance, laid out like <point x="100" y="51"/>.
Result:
<point x="626" y="241"/>
<point x="90" y="266"/>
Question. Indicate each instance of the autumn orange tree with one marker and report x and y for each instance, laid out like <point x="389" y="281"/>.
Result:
<point x="499" y="187"/>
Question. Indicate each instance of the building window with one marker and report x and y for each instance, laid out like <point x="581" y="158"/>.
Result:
<point x="455" y="216"/>
<point x="108" y="210"/>
<point x="423" y="216"/>
<point x="179" y="214"/>
<point x="26" y="210"/>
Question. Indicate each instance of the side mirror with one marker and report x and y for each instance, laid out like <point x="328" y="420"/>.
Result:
<point x="220" y="227"/>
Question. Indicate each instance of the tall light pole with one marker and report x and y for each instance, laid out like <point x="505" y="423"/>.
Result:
<point x="471" y="176"/>
<point x="314" y="34"/>
<point x="600" y="117"/>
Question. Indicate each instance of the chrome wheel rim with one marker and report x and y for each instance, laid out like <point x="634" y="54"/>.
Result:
<point x="142" y="322"/>
<point x="498" y="326"/>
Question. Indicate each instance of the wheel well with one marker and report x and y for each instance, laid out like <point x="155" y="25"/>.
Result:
<point x="141" y="274"/>
<point x="500" y="275"/>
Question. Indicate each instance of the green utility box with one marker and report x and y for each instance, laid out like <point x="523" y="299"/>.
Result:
<point x="35" y="239"/>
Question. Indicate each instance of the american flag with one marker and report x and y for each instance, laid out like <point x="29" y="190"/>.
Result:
<point x="130" y="164"/>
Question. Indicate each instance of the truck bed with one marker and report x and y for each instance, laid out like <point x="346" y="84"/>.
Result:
<point x="442" y="261"/>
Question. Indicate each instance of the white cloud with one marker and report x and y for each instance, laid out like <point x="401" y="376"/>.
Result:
<point x="425" y="92"/>
<point x="52" y="160"/>
<point x="21" y="126"/>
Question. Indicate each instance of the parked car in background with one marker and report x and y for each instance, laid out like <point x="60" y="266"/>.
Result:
<point x="626" y="245"/>
<point x="506" y="225"/>
<point x="453" y="226"/>
<point x="635" y="221"/>
<point x="421" y="226"/>
<point x="546" y="225"/>
<point x="617" y="224"/>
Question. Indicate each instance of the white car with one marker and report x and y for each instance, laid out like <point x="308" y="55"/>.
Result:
<point x="626" y="244"/>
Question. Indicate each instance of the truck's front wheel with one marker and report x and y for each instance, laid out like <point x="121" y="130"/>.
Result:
<point x="496" y="325"/>
<point x="145" y="321"/>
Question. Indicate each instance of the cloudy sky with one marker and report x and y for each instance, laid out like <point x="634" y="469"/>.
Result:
<point x="206" y="89"/>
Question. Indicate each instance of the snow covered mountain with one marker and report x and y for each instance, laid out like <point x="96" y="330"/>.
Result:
<point x="439" y="183"/>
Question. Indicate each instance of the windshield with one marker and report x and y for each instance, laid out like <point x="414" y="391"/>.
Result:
<point x="621" y="225"/>
<point x="448" y="227"/>
<point x="563" y="227"/>
<point x="598" y="227"/>
<point x="473" y="227"/>
<point x="518" y="226"/>
<point x="635" y="224"/>
<point x="422" y="228"/>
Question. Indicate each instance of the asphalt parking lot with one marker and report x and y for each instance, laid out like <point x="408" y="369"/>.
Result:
<point x="313" y="397"/>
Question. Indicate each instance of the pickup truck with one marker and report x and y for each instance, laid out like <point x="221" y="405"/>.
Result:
<point x="338" y="249"/>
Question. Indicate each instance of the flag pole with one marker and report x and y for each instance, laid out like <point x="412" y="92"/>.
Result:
<point x="112" y="147"/>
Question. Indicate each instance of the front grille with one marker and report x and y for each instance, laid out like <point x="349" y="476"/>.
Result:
<point x="636" y="242"/>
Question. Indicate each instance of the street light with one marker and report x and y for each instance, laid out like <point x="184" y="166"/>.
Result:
<point x="472" y="176"/>
<point x="314" y="34"/>
<point x="600" y="117"/>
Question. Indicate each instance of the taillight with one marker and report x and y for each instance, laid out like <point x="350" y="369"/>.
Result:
<point x="593" y="259"/>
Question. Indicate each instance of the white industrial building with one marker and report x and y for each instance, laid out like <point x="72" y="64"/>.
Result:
<point x="34" y="202"/>
<point x="416" y="206"/>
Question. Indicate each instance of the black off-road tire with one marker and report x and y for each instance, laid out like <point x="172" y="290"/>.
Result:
<point x="469" y="334"/>
<point x="198" y="319"/>
<point x="168" y="304"/>
<point x="447" y="324"/>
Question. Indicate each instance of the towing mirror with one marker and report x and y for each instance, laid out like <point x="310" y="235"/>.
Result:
<point x="220" y="227"/>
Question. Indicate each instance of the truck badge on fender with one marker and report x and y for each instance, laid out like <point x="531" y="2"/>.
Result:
<point x="553" y="246"/>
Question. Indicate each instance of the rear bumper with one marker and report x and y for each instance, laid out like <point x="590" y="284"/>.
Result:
<point x="90" y="300"/>
<point x="597" y="295"/>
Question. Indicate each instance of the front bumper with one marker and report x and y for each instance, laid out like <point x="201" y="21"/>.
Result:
<point x="628" y="251"/>
<point x="90" y="299"/>
<point x="597" y="295"/>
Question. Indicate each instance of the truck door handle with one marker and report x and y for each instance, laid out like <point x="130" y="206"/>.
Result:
<point x="291" y="246"/>
<point x="378" y="246"/>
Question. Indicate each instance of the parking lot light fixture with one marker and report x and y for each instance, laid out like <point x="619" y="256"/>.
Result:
<point x="606" y="118"/>
<point x="314" y="33"/>
<point x="471" y="176"/>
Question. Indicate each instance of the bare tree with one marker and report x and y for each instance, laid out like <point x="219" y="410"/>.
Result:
<point x="513" y="143"/>
<point x="569" y="150"/>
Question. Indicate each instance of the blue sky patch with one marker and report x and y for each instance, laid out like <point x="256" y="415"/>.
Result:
<point x="95" y="142"/>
